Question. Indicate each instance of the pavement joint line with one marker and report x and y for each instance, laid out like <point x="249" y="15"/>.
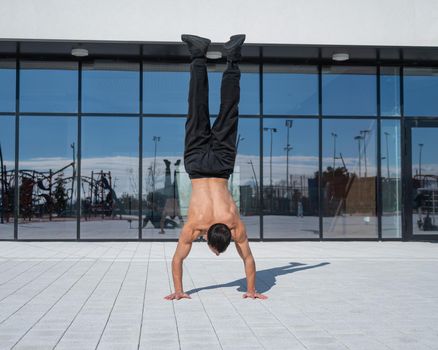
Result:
<point x="88" y="298"/>
<point x="30" y="281"/>
<point x="205" y="310"/>
<point x="116" y="297"/>
<point x="237" y="311"/>
<point x="173" y="304"/>
<point x="144" y="297"/>
<point x="275" y="317"/>
<point x="19" y="261"/>
<point x="41" y="291"/>
<point x="65" y="293"/>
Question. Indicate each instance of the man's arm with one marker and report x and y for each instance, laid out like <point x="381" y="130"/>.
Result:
<point x="244" y="251"/>
<point x="181" y="252"/>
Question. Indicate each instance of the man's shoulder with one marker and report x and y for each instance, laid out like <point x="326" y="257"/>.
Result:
<point x="240" y="231"/>
<point x="189" y="232"/>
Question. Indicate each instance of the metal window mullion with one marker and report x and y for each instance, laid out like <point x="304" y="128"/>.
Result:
<point x="320" y="193"/>
<point x="140" y="151"/>
<point x="17" y="143"/>
<point x="79" y="153"/>
<point x="379" y="202"/>
<point x="261" y="202"/>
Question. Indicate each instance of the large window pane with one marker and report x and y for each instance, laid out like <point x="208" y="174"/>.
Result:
<point x="420" y="91"/>
<point x="166" y="185"/>
<point x="110" y="87"/>
<point x="109" y="176"/>
<point x="165" y="88"/>
<point x="249" y="88"/>
<point x="390" y="91"/>
<point x="349" y="91"/>
<point x="424" y="184"/>
<point x="290" y="90"/>
<point x="7" y="173"/>
<point x="48" y="86"/>
<point x="7" y="86"/>
<point x="244" y="183"/>
<point x="290" y="162"/>
<point x="391" y="179"/>
<point x="349" y="178"/>
<point x="47" y="170"/>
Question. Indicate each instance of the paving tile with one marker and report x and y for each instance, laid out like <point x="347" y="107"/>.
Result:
<point x="323" y="296"/>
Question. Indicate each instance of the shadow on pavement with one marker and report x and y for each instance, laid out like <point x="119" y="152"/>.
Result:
<point x="266" y="279"/>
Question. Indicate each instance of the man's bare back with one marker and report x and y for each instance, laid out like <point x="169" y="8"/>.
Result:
<point x="210" y="203"/>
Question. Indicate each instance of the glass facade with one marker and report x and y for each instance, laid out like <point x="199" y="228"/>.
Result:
<point x="349" y="91"/>
<point x="290" y="167"/>
<point x="7" y="176"/>
<point x="46" y="175"/>
<point x="100" y="148"/>
<point x="349" y="178"/>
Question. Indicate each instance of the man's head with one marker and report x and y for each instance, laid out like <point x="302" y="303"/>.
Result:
<point x="218" y="237"/>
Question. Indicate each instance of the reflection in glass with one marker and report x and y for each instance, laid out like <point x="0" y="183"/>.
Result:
<point x="110" y="87"/>
<point x="349" y="178"/>
<point x="290" y="90"/>
<point x="7" y="173"/>
<point x="290" y="165"/>
<point x="165" y="88"/>
<point x="424" y="181"/>
<point x="249" y="88"/>
<point x="7" y="85"/>
<point x="244" y="183"/>
<point x="349" y="91"/>
<point x="47" y="170"/>
<point x="391" y="178"/>
<point x="109" y="177"/>
<point x="48" y="86"/>
<point x="420" y="91"/>
<point x="166" y="185"/>
<point x="390" y="91"/>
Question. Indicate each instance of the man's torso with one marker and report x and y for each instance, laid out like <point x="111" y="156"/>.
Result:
<point x="212" y="203"/>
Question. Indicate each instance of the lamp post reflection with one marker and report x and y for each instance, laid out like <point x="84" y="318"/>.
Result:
<point x="387" y="152"/>
<point x="358" y="139"/>
<point x="271" y="130"/>
<point x="419" y="165"/>
<point x="156" y="139"/>
<point x="255" y="177"/>
<point x="288" y="147"/>
<point x="334" y="135"/>
<point x="364" y="133"/>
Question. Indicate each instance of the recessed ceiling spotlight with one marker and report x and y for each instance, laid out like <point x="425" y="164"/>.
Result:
<point x="213" y="55"/>
<point x="78" y="52"/>
<point x="340" y="56"/>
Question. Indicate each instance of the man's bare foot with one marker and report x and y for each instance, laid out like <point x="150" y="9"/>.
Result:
<point x="162" y="232"/>
<point x="177" y="296"/>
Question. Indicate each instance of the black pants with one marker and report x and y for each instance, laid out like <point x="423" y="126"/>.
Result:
<point x="211" y="152"/>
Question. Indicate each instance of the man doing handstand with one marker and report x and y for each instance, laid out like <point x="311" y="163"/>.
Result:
<point x="209" y="157"/>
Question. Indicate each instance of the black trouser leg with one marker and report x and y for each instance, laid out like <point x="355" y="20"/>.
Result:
<point x="198" y="129"/>
<point x="224" y="130"/>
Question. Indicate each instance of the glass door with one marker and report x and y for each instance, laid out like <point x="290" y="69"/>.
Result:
<point x="421" y="195"/>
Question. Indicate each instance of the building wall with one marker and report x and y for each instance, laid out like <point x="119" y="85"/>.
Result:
<point x="335" y="22"/>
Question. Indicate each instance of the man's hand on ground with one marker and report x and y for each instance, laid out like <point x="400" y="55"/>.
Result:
<point x="254" y="295"/>
<point x="178" y="296"/>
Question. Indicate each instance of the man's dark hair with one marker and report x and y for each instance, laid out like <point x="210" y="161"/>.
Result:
<point x="219" y="237"/>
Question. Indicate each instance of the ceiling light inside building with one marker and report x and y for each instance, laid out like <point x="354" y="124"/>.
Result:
<point x="340" y="56"/>
<point x="214" y="55"/>
<point x="79" y="52"/>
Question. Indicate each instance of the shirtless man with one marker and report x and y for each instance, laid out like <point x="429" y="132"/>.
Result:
<point x="209" y="158"/>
